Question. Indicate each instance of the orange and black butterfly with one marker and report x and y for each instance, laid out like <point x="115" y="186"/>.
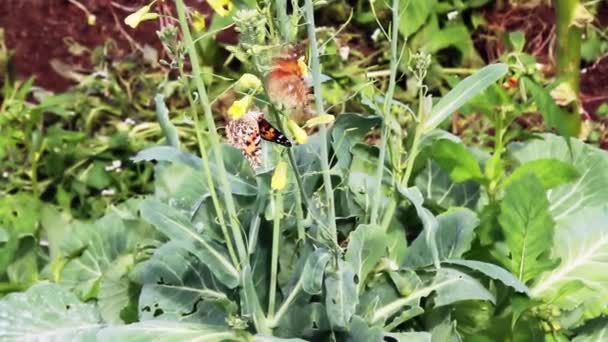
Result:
<point x="286" y="84"/>
<point x="246" y="133"/>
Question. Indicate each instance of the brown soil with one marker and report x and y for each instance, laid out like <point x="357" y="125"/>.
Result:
<point x="537" y="23"/>
<point x="594" y="88"/>
<point x="37" y="30"/>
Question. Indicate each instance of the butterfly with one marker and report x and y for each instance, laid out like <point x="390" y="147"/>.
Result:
<point x="286" y="84"/>
<point x="246" y="133"/>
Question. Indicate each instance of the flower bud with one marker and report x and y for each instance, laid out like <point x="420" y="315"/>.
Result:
<point x="140" y="15"/>
<point x="298" y="133"/>
<point x="247" y="82"/>
<point x="320" y="120"/>
<point x="279" y="177"/>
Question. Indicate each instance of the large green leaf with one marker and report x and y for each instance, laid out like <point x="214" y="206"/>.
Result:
<point x="410" y="336"/>
<point x="178" y="287"/>
<point x="176" y="226"/>
<point x="594" y="331"/>
<point x="551" y="172"/>
<point x="588" y="190"/>
<point x="457" y="160"/>
<point x="494" y="272"/>
<point x="114" y="296"/>
<point x="416" y="13"/>
<point x="92" y="248"/>
<point x="341" y="295"/>
<point x="581" y="242"/>
<point x="527" y="226"/>
<point x="465" y="90"/>
<point x="448" y="284"/>
<point x="47" y="312"/>
<point x="348" y="130"/>
<point x="429" y="221"/>
<point x="156" y="330"/>
<point x="312" y="274"/>
<point x="366" y="247"/>
<point x="437" y="187"/>
<point x="240" y="175"/>
<point x="455" y="232"/>
<point x="568" y="124"/>
<point x="19" y="216"/>
<point x="457" y="286"/>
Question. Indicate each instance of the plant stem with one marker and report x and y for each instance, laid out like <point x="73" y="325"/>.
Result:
<point x="388" y="100"/>
<point x="210" y="184"/>
<point x="286" y="303"/>
<point x="411" y="158"/>
<point x="568" y="51"/>
<point x="316" y="81"/>
<point x="277" y="204"/>
<point x="214" y="138"/>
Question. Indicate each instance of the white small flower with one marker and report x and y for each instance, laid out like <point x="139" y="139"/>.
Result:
<point x="116" y="164"/>
<point x="108" y="192"/>
<point x="129" y="121"/>
<point x="452" y="15"/>
<point x="344" y="51"/>
<point x="5" y="174"/>
<point x="376" y="35"/>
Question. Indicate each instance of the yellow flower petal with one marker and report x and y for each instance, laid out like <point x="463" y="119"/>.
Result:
<point x="303" y="66"/>
<point x="221" y="7"/>
<point x="279" y="177"/>
<point x="298" y="133"/>
<point x="198" y="21"/>
<point x="320" y="120"/>
<point x="239" y="107"/>
<point x="248" y="82"/>
<point x="140" y="15"/>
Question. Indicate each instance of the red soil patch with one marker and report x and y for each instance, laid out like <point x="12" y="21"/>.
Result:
<point x="36" y="31"/>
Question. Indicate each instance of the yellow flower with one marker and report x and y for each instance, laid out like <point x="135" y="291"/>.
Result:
<point x="247" y="82"/>
<point x="298" y="133"/>
<point x="279" y="177"/>
<point x="221" y="7"/>
<point x="239" y="107"/>
<point x="198" y="21"/>
<point x="140" y="15"/>
<point x="320" y="120"/>
<point x="303" y="66"/>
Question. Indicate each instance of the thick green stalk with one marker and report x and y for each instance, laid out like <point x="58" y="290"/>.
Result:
<point x="274" y="261"/>
<point x="213" y="136"/>
<point x="210" y="184"/>
<point x="388" y="100"/>
<point x="283" y="308"/>
<point x="316" y="82"/>
<point x="413" y="153"/>
<point x="568" y="51"/>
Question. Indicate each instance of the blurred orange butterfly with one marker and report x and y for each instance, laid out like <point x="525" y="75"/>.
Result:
<point x="285" y="82"/>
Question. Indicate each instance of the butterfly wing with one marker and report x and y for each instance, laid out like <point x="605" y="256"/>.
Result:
<point x="245" y="136"/>
<point x="269" y="133"/>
